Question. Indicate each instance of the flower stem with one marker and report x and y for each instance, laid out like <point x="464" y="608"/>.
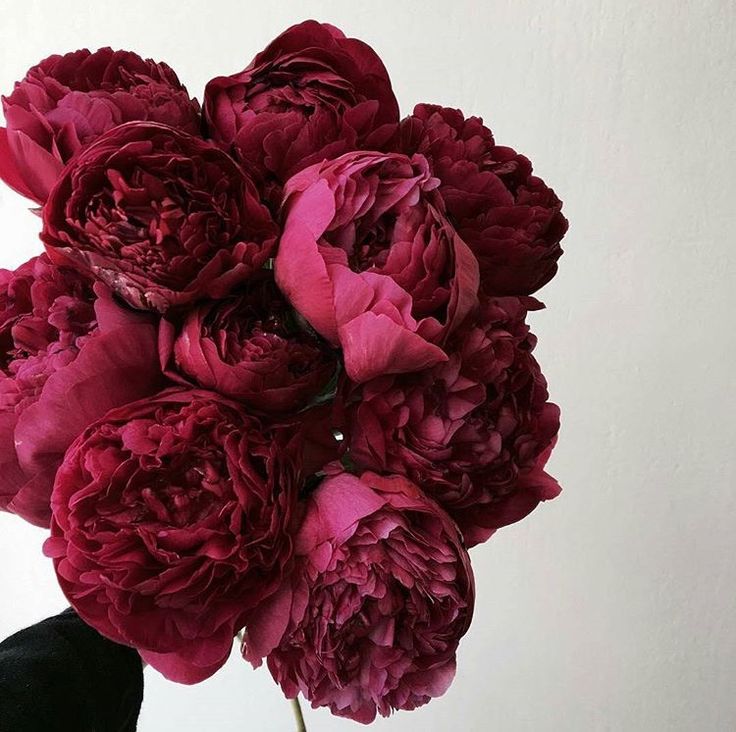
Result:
<point x="296" y="707"/>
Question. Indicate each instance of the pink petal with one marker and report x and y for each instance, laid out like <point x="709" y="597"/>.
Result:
<point x="375" y="344"/>
<point x="188" y="668"/>
<point x="298" y="262"/>
<point x="41" y="170"/>
<point x="112" y="369"/>
<point x="9" y="172"/>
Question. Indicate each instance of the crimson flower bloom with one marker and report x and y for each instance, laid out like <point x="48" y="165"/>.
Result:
<point x="161" y="217"/>
<point x="67" y="355"/>
<point x="474" y="432"/>
<point x="509" y="218"/>
<point x="371" y="618"/>
<point x="172" y="520"/>
<point x="310" y="95"/>
<point x="66" y="102"/>
<point x="389" y="278"/>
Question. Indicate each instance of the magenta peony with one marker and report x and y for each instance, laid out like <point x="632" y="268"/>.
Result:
<point x="509" y="218"/>
<point x="382" y="592"/>
<point x="161" y="217"/>
<point x="389" y="279"/>
<point x="311" y="95"/>
<point x="251" y="348"/>
<point x="66" y="102"/>
<point x="474" y="432"/>
<point x="172" y="520"/>
<point x="66" y="357"/>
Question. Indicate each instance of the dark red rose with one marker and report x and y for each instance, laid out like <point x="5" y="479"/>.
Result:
<point x="311" y="95"/>
<point x="251" y="348"/>
<point x="474" y="432"/>
<point x="509" y="218"/>
<point x="161" y="217"/>
<point x="371" y="618"/>
<point x="388" y="277"/>
<point x="66" y="102"/>
<point x="172" y="520"/>
<point x="66" y="357"/>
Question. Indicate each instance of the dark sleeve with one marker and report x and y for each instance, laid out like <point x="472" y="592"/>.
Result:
<point x="62" y="675"/>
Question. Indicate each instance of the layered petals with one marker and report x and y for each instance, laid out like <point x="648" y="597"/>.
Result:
<point x="162" y="217"/>
<point x="389" y="277"/>
<point x="66" y="102"/>
<point x="312" y="94"/>
<point x="172" y="520"/>
<point x="69" y="353"/>
<point x="474" y="432"/>
<point x="370" y="620"/>
<point x="509" y="217"/>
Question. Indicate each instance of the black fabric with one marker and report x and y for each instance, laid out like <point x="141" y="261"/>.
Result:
<point x="61" y="675"/>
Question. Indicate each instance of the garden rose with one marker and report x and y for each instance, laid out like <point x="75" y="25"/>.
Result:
<point x="474" y="432"/>
<point x="66" y="102"/>
<point x="312" y="94"/>
<point x="161" y="217"/>
<point x="509" y="218"/>
<point x="250" y="347"/>
<point x="171" y="520"/>
<point x="66" y="357"/>
<point x="389" y="278"/>
<point x="382" y="592"/>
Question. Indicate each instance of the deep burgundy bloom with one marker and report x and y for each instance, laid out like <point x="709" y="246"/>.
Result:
<point x="250" y="347"/>
<point x="66" y="357"/>
<point x="388" y="277"/>
<point x="474" y="432"/>
<point x="161" y="217"/>
<point x="66" y="102"/>
<point x="172" y="520"/>
<point x="382" y="592"/>
<point x="509" y="218"/>
<point x="310" y="95"/>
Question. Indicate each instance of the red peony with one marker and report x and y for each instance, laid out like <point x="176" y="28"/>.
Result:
<point x="66" y="102"/>
<point x="250" y="347"/>
<point x="369" y="259"/>
<point x="172" y="520"/>
<point x="474" y="432"/>
<point x="311" y="95"/>
<point x="66" y="357"/>
<point x="509" y="218"/>
<point x="161" y="217"/>
<point x="382" y="592"/>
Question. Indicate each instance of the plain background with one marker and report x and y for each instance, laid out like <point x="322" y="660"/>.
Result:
<point x="614" y="606"/>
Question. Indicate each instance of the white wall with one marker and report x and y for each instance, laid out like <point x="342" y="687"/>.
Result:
<point x="613" y="607"/>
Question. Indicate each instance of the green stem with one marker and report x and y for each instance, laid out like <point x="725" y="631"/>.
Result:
<point x="296" y="707"/>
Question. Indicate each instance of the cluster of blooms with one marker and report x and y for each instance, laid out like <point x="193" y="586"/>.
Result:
<point x="272" y="372"/>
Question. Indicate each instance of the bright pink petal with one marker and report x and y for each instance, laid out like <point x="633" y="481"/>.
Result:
<point x="267" y="625"/>
<point x="350" y="500"/>
<point x="300" y="270"/>
<point x="112" y="369"/>
<point x="188" y="667"/>
<point x="9" y="172"/>
<point x="375" y="344"/>
<point x="41" y="169"/>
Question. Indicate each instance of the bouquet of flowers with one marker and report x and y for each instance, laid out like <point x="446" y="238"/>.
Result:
<point x="271" y="376"/>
